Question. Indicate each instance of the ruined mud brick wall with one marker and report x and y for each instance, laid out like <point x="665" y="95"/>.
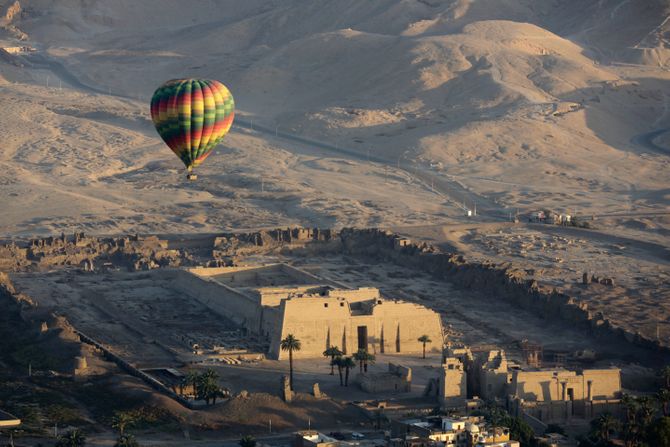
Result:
<point x="498" y="280"/>
<point x="397" y="379"/>
<point x="13" y="257"/>
<point x="235" y="244"/>
<point x="132" y="252"/>
<point x="9" y="11"/>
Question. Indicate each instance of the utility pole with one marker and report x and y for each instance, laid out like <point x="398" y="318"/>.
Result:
<point x="47" y="81"/>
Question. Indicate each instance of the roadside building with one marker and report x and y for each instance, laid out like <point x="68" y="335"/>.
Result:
<point x="313" y="438"/>
<point x="471" y="431"/>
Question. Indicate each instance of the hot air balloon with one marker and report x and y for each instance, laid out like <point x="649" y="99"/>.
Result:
<point x="192" y="116"/>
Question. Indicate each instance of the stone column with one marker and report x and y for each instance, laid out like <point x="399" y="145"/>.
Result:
<point x="564" y="390"/>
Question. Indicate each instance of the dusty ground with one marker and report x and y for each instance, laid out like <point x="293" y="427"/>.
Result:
<point x="414" y="111"/>
<point x="397" y="114"/>
<point x="558" y="256"/>
<point x="140" y="316"/>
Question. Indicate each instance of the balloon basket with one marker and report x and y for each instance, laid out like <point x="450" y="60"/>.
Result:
<point x="192" y="177"/>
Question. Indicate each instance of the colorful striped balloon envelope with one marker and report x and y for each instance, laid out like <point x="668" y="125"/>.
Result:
<point x="192" y="116"/>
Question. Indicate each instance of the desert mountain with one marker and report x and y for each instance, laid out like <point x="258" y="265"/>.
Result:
<point x="518" y="103"/>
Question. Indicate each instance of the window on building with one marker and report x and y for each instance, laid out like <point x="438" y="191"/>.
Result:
<point x="325" y="304"/>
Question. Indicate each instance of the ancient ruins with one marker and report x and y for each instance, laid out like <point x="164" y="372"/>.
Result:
<point x="157" y="307"/>
<point x="320" y="315"/>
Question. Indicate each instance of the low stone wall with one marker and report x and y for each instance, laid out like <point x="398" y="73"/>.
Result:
<point x="225" y="301"/>
<point x="499" y="280"/>
<point x="133" y="371"/>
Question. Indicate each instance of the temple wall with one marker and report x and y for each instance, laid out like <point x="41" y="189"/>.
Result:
<point x="223" y="300"/>
<point x="392" y="328"/>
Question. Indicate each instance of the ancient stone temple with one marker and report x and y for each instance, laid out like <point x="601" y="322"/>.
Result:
<point x="276" y="300"/>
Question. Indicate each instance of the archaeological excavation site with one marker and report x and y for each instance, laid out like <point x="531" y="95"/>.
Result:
<point x="143" y="315"/>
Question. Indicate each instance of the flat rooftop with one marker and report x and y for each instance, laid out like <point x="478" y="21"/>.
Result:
<point x="8" y="420"/>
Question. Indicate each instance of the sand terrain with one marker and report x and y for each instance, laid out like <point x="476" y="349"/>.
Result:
<point x="516" y="104"/>
<point x="557" y="257"/>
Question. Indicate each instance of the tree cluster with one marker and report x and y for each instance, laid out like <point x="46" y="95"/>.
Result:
<point x="519" y="429"/>
<point x="205" y="385"/>
<point x="645" y="421"/>
<point x="344" y="364"/>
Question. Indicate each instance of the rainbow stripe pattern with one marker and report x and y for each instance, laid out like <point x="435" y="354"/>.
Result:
<point x="192" y="116"/>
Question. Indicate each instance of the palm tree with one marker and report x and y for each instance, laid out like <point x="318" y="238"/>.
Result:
<point x="216" y="393"/>
<point x="360" y="357"/>
<point x="73" y="438"/>
<point x="665" y="374"/>
<point x="347" y="364"/>
<point x="208" y="386"/>
<point x="126" y="441"/>
<point x="646" y="412"/>
<point x="603" y="426"/>
<point x="210" y="374"/>
<point x="248" y="441"/>
<point x="121" y="420"/>
<point x="424" y="339"/>
<point x="369" y="358"/>
<point x="332" y="352"/>
<point x="364" y="357"/>
<point x="663" y="398"/>
<point x="339" y="362"/>
<point x="659" y="432"/>
<point x="631" y="427"/>
<point x="290" y="344"/>
<point x="191" y="378"/>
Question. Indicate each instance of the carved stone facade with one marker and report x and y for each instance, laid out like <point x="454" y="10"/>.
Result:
<point x="319" y="315"/>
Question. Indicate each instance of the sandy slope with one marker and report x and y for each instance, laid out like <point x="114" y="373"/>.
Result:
<point x="524" y="103"/>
